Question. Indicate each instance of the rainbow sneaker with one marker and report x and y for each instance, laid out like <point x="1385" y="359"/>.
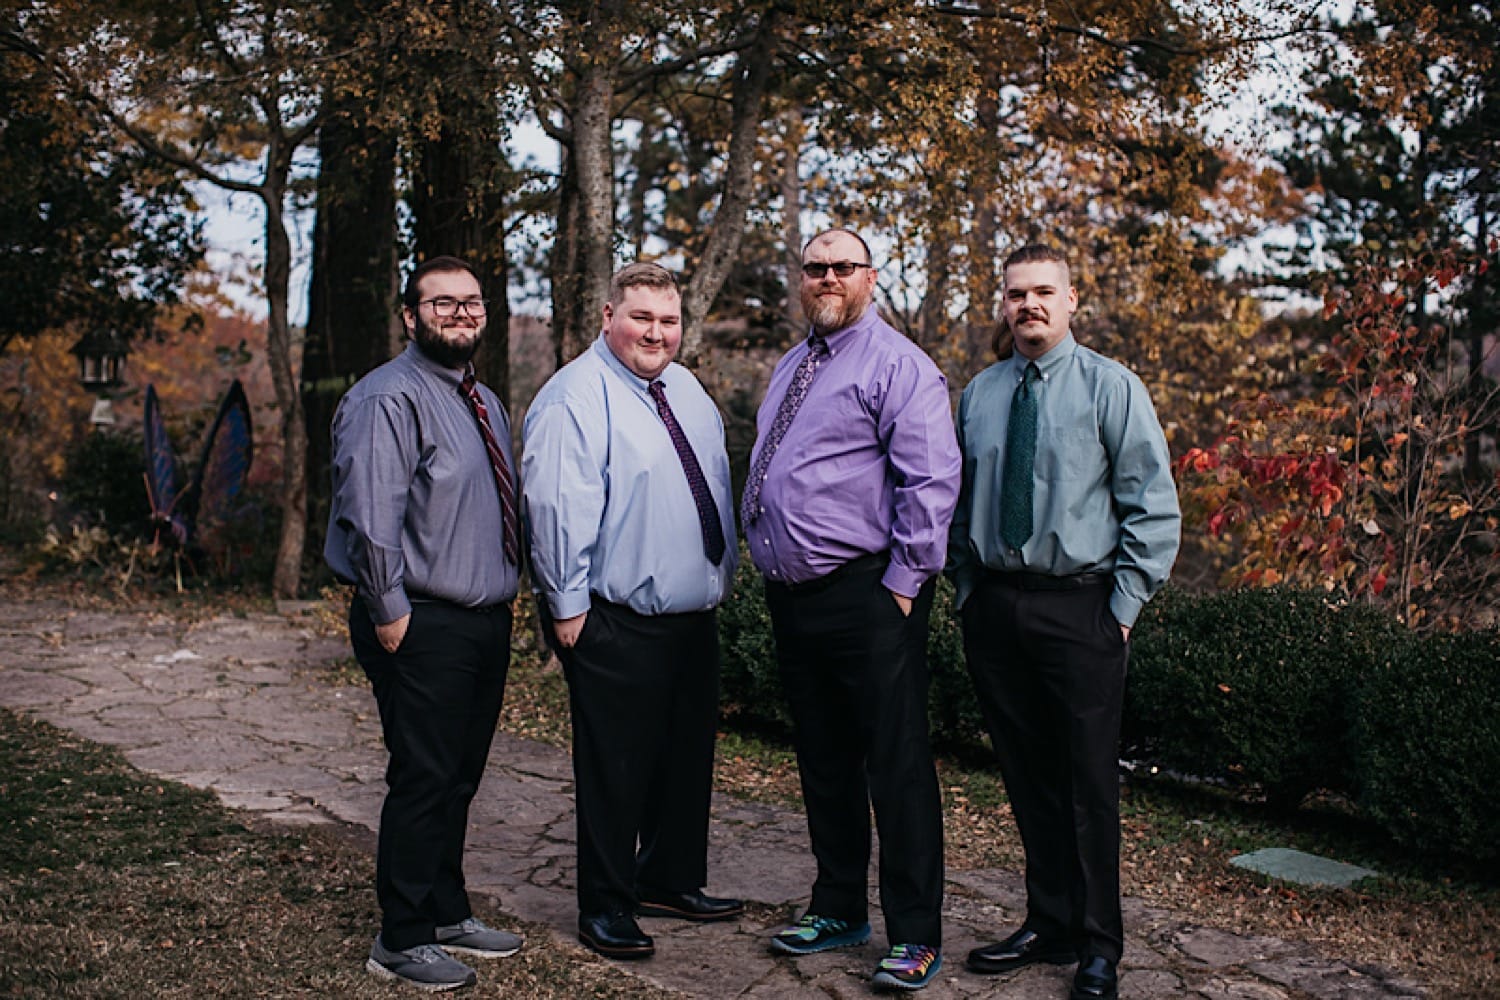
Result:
<point x="813" y="934"/>
<point x="908" y="967"/>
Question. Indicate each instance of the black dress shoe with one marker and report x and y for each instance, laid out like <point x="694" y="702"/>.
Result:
<point x="615" y="935"/>
<point x="690" y="905"/>
<point x="1095" y="980"/>
<point x="1020" y="949"/>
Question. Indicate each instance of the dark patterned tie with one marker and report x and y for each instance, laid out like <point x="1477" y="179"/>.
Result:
<point x="708" y="511"/>
<point x="1020" y="457"/>
<point x="796" y="392"/>
<point x="498" y="465"/>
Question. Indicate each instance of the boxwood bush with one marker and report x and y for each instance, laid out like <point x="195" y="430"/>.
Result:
<point x="1427" y="744"/>
<point x="1254" y="686"/>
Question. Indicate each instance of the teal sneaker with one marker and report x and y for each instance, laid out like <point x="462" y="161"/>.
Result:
<point x="908" y="967"/>
<point x="812" y="934"/>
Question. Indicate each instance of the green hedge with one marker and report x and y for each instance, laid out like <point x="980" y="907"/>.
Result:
<point x="1252" y="685"/>
<point x="1427" y="728"/>
<point x="1283" y="690"/>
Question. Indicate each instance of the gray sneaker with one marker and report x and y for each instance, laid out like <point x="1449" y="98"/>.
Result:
<point x="427" y="967"/>
<point x="473" y="937"/>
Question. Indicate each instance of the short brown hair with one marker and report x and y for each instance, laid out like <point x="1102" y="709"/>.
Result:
<point x="436" y="265"/>
<point x="1035" y="253"/>
<point x="640" y="275"/>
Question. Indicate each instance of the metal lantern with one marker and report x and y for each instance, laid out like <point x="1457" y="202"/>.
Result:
<point x="101" y="360"/>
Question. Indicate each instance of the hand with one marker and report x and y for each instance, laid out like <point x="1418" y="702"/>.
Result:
<point x="569" y="629"/>
<point x="1124" y="633"/>
<point x="391" y="633"/>
<point x="904" y="603"/>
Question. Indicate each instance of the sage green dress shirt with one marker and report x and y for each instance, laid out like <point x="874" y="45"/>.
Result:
<point x="1104" y="499"/>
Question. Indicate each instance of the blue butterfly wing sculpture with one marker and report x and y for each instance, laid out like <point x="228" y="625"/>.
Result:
<point x="221" y="476"/>
<point x="197" y="515"/>
<point x="161" y="475"/>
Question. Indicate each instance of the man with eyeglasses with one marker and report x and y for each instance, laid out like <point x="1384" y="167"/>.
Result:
<point x="852" y="483"/>
<point x="424" y="525"/>
<point x="633" y="547"/>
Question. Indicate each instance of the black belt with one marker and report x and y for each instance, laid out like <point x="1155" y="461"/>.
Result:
<point x="872" y="560"/>
<point x="482" y="609"/>
<point x="1022" y="580"/>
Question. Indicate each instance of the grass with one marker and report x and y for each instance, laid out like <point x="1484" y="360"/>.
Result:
<point x="117" y="885"/>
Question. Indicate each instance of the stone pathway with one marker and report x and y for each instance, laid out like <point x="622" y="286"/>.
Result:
<point x="230" y="705"/>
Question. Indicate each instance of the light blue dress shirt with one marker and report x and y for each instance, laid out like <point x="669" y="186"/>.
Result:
<point x="1104" y="498"/>
<point x="608" y="505"/>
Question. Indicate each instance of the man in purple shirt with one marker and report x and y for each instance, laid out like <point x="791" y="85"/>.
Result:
<point x="853" y="481"/>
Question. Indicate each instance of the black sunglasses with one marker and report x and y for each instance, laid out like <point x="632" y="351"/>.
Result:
<point x="843" y="269"/>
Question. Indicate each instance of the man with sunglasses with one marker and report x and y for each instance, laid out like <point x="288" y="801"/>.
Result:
<point x="852" y="483"/>
<point x="423" y="524"/>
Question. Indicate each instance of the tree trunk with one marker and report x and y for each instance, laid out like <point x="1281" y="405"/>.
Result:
<point x="353" y="324"/>
<point x="586" y="288"/>
<point x="287" y="575"/>
<point x="790" y="186"/>
<point x="750" y="82"/>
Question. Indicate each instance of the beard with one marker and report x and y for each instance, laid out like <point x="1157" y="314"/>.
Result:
<point x="834" y="313"/>
<point x="446" y="353"/>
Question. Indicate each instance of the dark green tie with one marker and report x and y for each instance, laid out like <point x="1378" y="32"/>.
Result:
<point x="1020" y="456"/>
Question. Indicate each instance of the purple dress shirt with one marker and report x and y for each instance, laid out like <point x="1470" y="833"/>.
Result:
<point x="870" y="463"/>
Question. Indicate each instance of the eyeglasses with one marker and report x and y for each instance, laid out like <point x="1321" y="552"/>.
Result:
<point x="843" y="269"/>
<point x="445" y="306"/>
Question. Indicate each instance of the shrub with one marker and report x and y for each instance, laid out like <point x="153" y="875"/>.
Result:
<point x="750" y="686"/>
<point x="1253" y="686"/>
<point x="104" y="481"/>
<point x="1427" y="745"/>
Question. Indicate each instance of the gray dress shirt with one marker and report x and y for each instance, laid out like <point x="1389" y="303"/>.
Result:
<point x="416" y="512"/>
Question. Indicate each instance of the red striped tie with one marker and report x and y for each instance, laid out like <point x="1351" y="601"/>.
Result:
<point x="497" y="464"/>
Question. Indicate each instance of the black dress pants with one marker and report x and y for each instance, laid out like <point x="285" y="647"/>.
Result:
<point x="856" y="679"/>
<point x="439" y="696"/>
<point x="1049" y="668"/>
<point x="644" y="693"/>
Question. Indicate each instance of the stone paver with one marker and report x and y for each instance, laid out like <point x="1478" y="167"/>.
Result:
<point x="230" y="705"/>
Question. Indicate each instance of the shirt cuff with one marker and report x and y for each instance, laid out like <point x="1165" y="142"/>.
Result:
<point x="389" y="606"/>
<point x="570" y="604"/>
<point x="903" y="581"/>
<point x="1125" y="608"/>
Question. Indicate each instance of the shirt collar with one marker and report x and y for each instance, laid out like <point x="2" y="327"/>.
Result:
<point x="641" y="385"/>
<point x="1049" y="362"/>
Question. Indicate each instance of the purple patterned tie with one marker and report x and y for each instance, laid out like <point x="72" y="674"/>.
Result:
<point x="497" y="465"/>
<point x="708" y="511"/>
<point x="817" y="350"/>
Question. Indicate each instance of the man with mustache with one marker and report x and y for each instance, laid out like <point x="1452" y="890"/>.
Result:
<point x="424" y="525"/>
<point x="1067" y="525"/>
<point x="852" y="482"/>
